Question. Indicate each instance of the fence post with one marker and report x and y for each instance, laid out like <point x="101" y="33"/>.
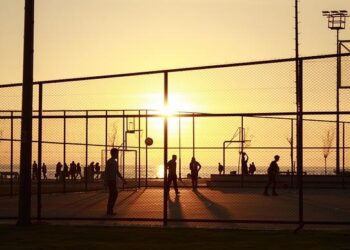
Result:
<point x="242" y="148"/>
<point x="165" y="187"/>
<point x="343" y="170"/>
<point x="25" y="185"/>
<point x="86" y="149"/>
<point x="300" y="141"/>
<point x="11" y="157"/>
<point x="106" y="140"/>
<point x="146" y="148"/>
<point x="64" y="151"/>
<point x="180" y="164"/>
<point x="40" y="133"/>
<point x="139" y="156"/>
<point x="292" y="152"/>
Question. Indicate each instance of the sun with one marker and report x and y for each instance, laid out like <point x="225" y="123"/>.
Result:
<point x="167" y="111"/>
<point x="160" y="171"/>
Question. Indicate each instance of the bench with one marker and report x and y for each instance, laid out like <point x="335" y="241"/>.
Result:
<point x="5" y="175"/>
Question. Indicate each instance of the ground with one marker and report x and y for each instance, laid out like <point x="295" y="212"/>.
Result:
<point x="326" y="205"/>
<point x="93" y="237"/>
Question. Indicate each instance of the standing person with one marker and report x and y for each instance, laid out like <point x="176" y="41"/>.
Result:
<point x="245" y="159"/>
<point x="272" y="173"/>
<point x="72" y="170"/>
<point x="97" y="170"/>
<point x="44" y="171"/>
<point x="172" y="177"/>
<point x="195" y="166"/>
<point x="35" y="171"/>
<point x="79" y="171"/>
<point x="221" y="169"/>
<point x="58" y="173"/>
<point x="111" y="177"/>
<point x="65" y="171"/>
<point x="252" y="168"/>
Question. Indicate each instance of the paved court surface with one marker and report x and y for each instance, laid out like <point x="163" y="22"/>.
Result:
<point x="221" y="204"/>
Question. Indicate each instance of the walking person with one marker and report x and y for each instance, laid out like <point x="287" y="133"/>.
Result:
<point x="272" y="173"/>
<point x="172" y="177"/>
<point x="111" y="177"/>
<point x="44" y="171"/>
<point x="195" y="166"/>
<point x="252" y="168"/>
<point x="244" y="161"/>
<point x="58" y="173"/>
<point x="221" y="169"/>
<point x="79" y="171"/>
<point x="35" y="171"/>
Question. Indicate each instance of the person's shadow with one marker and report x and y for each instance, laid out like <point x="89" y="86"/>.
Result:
<point x="175" y="209"/>
<point x="218" y="211"/>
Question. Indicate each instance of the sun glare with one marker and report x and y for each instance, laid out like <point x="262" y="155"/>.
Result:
<point x="167" y="111"/>
<point x="160" y="171"/>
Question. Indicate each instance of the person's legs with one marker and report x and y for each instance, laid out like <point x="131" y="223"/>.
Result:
<point x="175" y="184"/>
<point x="267" y="186"/>
<point x="112" y="188"/>
<point x="274" y="186"/>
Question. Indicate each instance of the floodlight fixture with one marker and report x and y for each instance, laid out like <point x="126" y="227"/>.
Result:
<point x="336" y="18"/>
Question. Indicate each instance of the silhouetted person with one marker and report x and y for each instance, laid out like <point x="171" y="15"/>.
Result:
<point x="195" y="166"/>
<point x="58" y="173"/>
<point x="97" y="170"/>
<point x="221" y="169"/>
<point x="272" y="173"/>
<point x="65" y="171"/>
<point x="44" y="168"/>
<point x="111" y="178"/>
<point x="72" y="170"/>
<point x="172" y="177"/>
<point x="79" y="171"/>
<point x="90" y="171"/>
<point x="244" y="161"/>
<point x="35" y="171"/>
<point x="252" y="168"/>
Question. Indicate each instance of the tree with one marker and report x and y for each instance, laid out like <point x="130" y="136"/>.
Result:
<point x="113" y="135"/>
<point x="327" y="139"/>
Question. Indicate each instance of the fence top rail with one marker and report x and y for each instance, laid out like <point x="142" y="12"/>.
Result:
<point x="162" y="71"/>
<point x="270" y="115"/>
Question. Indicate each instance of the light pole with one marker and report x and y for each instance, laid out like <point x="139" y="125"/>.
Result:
<point x="336" y="21"/>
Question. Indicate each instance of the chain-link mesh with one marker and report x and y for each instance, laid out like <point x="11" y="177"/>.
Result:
<point x="230" y="118"/>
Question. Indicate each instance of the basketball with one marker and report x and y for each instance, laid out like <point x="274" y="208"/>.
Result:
<point x="149" y="141"/>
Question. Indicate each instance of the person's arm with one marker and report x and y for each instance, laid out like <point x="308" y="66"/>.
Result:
<point x="200" y="166"/>
<point x="121" y="177"/>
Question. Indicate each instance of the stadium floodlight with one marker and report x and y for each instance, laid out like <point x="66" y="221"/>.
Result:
<point x="336" y="18"/>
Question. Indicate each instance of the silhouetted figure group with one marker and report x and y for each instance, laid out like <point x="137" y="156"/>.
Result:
<point x="35" y="171"/>
<point x="93" y="171"/>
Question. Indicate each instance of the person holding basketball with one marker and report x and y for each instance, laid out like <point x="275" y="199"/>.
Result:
<point x="195" y="166"/>
<point x="272" y="173"/>
<point x="111" y="177"/>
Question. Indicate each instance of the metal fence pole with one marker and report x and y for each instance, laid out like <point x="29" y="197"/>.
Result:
<point x="106" y="140"/>
<point x="40" y="133"/>
<point x="300" y="142"/>
<point x="343" y="170"/>
<point x="292" y="151"/>
<point x="24" y="199"/>
<point x="11" y="156"/>
<point x="146" y="149"/>
<point x="165" y="183"/>
<point x="139" y="153"/>
<point x="193" y="136"/>
<point x="86" y="172"/>
<point x="242" y="148"/>
<point x="180" y="164"/>
<point x="124" y="145"/>
<point x="64" y="150"/>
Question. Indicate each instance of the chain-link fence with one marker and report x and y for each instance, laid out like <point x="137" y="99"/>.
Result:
<point x="228" y="120"/>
